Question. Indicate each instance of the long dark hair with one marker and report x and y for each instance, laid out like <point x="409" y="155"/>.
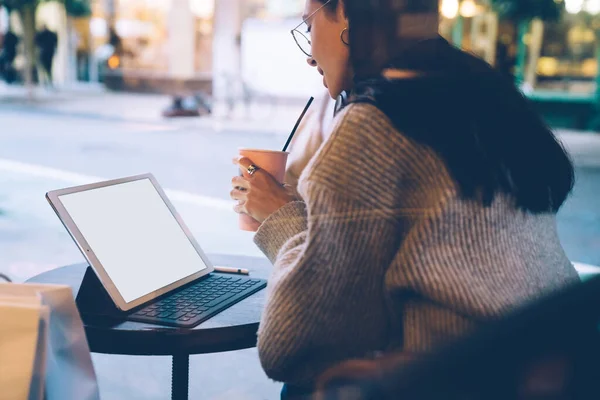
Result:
<point x="478" y="122"/>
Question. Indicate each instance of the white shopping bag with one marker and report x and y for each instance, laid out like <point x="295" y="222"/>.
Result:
<point x="69" y="370"/>
<point x="23" y="338"/>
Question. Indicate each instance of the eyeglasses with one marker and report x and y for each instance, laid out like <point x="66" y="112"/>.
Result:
<point x="301" y="39"/>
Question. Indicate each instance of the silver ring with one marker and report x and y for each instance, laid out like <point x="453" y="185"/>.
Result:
<point x="252" y="169"/>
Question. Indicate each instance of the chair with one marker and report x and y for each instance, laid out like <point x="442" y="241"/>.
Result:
<point x="549" y="349"/>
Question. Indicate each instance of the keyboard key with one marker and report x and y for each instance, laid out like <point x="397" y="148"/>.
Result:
<point x="220" y="299"/>
<point x="164" y="314"/>
<point x="176" y="315"/>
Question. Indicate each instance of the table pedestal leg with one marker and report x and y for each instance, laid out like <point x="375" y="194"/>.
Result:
<point x="180" y="377"/>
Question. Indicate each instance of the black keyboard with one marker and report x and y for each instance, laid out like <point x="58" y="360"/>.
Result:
<point x="199" y="301"/>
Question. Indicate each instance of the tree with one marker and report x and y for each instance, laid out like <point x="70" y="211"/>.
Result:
<point x="26" y="10"/>
<point x="525" y="13"/>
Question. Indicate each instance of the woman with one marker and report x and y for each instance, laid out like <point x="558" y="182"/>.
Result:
<point x="430" y="210"/>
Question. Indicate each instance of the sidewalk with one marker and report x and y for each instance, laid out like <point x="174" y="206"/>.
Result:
<point x="584" y="147"/>
<point x="95" y="102"/>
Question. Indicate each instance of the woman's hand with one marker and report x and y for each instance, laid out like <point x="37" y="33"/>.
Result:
<point x="259" y="195"/>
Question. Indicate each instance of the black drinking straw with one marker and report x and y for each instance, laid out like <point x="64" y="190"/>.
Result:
<point x="298" y="123"/>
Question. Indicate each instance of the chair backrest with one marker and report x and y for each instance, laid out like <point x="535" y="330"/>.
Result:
<point x="549" y="349"/>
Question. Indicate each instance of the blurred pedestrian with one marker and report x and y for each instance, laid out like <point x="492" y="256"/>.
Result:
<point x="115" y="41"/>
<point x="47" y="42"/>
<point x="8" y="53"/>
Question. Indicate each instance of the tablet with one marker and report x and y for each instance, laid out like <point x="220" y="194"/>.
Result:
<point x="132" y="237"/>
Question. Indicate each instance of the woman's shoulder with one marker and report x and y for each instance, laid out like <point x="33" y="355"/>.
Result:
<point x="361" y="123"/>
<point x="356" y="129"/>
<point x="363" y="113"/>
<point x="363" y="131"/>
<point x="364" y="150"/>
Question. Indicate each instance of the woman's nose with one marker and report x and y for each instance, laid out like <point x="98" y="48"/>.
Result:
<point x="311" y="61"/>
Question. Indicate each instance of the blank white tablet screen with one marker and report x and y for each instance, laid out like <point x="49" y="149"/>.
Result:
<point x="134" y="235"/>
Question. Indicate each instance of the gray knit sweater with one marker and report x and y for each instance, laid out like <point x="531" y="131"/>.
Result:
<point x="383" y="255"/>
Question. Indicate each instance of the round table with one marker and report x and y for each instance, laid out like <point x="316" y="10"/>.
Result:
<point x="233" y="329"/>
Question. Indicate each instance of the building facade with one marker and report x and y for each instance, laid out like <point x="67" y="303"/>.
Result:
<point x="230" y="42"/>
<point x="236" y="43"/>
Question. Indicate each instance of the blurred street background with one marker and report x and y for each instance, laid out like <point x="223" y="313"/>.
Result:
<point x="93" y="90"/>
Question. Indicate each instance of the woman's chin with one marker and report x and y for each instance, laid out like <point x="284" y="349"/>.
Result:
<point x="333" y="93"/>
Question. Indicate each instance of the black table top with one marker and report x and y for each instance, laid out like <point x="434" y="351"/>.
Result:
<point x="233" y="329"/>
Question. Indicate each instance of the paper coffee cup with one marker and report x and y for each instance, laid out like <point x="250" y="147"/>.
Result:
<point x="271" y="161"/>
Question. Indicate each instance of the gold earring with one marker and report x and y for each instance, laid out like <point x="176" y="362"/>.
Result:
<point x="342" y="37"/>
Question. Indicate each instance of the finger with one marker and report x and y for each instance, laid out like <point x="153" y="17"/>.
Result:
<point x="237" y="194"/>
<point x="244" y="163"/>
<point x="240" y="182"/>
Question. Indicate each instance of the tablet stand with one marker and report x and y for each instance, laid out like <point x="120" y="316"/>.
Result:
<point x="93" y="298"/>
